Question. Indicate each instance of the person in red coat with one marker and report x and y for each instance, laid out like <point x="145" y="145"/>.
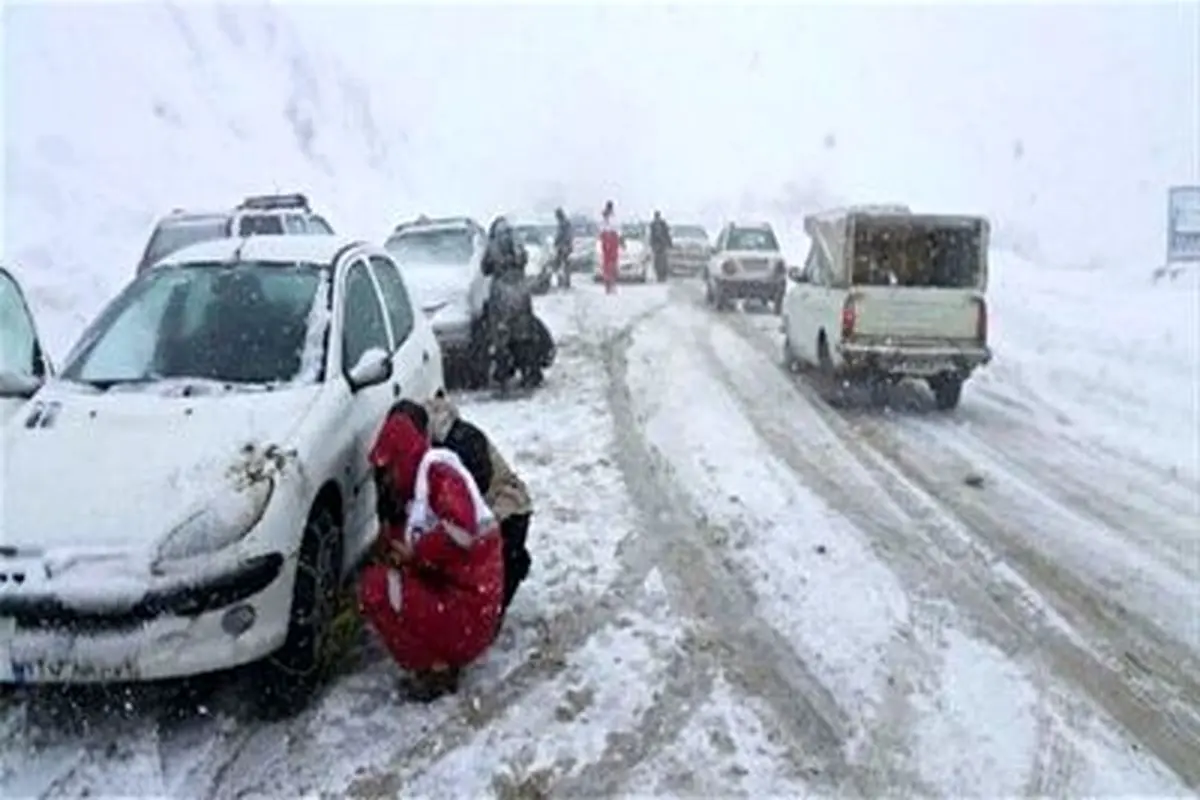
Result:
<point x="610" y="248"/>
<point x="435" y="600"/>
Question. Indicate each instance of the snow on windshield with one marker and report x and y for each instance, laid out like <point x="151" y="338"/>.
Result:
<point x="752" y="239"/>
<point x="173" y="236"/>
<point x="250" y="323"/>
<point x="449" y="246"/>
<point x="688" y="232"/>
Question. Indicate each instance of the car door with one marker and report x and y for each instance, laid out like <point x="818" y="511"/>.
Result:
<point x="412" y="359"/>
<point x="24" y="364"/>
<point x="364" y="326"/>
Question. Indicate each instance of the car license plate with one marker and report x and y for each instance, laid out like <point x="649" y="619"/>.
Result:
<point x="70" y="670"/>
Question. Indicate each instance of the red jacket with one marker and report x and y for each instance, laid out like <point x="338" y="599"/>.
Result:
<point x="449" y="597"/>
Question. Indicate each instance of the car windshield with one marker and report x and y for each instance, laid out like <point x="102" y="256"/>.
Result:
<point x="253" y="323"/>
<point x="752" y="239"/>
<point x="445" y="246"/>
<point x="173" y="236"/>
<point x="17" y="340"/>
<point x="530" y="234"/>
<point x="584" y="227"/>
<point x="689" y="232"/>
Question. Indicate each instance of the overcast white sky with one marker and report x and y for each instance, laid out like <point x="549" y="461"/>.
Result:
<point x="1070" y="121"/>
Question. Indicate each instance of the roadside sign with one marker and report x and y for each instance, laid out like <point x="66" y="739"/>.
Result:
<point x="1183" y="224"/>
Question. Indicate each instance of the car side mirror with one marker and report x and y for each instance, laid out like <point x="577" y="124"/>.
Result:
<point x="372" y="369"/>
<point x="14" y="385"/>
<point x="796" y="275"/>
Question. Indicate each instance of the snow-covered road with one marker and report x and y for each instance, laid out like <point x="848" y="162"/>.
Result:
<point x="739" y="589"/>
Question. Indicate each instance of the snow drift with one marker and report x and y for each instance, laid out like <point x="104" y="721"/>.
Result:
<point x="115" y="114"/>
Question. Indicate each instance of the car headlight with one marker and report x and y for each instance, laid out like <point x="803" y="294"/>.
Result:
<point x="219" y="523"/>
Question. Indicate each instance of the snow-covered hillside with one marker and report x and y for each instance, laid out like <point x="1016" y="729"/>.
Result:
<point x="115" y="114"/>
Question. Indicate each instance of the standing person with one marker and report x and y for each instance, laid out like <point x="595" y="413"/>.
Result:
<point x="610" y="247"/>
<point x="435" y="601"/>
<point x="563" y="238"/>
<point x="660" y="243"/>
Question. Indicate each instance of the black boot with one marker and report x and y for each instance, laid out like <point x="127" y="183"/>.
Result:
<point x="430" y="685"/>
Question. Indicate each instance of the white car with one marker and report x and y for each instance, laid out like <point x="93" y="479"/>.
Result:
<point x="537" y="237"/>
<point x="886" y="294"/>
<point x="690" y="249"/>
<point x="440" y="259"/>
<point x="634" y="261"/>
<point x="24" y="364"/>
<point x="192" y="489"/>
<point x="746" y="264"/>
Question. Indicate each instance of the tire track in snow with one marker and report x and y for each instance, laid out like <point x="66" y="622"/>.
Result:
<point x="1160" y="707"/>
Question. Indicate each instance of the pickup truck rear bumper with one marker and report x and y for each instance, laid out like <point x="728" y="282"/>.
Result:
<point x="915" y="361"/>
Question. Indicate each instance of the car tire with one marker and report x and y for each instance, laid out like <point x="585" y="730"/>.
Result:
<point x="947" y="391"/>
<point x="289" y="677"/>
<point x="791" y="362"/>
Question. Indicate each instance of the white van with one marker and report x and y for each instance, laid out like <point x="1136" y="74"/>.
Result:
<point x="886" y="294"/>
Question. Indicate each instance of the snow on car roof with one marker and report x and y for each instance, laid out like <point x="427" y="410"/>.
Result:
<point x="310" y="248"/>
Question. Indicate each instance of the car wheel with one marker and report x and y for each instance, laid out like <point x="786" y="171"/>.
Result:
<point x="790" y="361"/>
<point x="293" y="673"/>
<point x="947" y="390"/>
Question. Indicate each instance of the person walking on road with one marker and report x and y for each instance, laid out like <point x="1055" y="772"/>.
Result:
<point x="610" y="247"/>
<point x="660" y="244"/>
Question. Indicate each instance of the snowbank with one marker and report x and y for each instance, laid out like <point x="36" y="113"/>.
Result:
<point x="115" y="114"/>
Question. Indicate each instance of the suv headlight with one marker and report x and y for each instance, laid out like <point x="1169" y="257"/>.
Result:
<point x="219" y="523"/>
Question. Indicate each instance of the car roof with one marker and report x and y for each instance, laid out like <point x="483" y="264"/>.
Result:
<point x="436" y="225"/>
<point x="313" y="248"/>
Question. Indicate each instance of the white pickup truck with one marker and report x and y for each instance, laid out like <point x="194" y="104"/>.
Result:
<point x="886" y="294"/>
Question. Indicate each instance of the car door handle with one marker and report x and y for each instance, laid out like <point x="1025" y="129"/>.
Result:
<point x="395" y="390"/>
<point x="425" y="356"/>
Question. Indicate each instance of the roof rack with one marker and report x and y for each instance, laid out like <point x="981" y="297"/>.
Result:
<point x="266" y="202"/>
<point x="424" y="220"/>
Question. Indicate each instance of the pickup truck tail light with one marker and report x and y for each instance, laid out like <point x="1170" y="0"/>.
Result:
<point x="849" y="317"/>
<point x="981" y="321"/>
<point x="729" y="268"/>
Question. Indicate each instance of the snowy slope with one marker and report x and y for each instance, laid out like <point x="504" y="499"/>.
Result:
<point x="115" y="114"/>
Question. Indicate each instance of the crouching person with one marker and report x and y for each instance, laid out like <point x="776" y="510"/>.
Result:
<point x="500" y="485"/>
<point x="435" y="600"/>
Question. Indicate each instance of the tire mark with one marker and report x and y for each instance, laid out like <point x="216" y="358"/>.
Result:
<point x="1158" y="707"/>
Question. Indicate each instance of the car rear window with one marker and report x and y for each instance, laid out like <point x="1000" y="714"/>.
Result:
<point x="260" y="225"/>
<point x="173" y="236"/>
<point x="894" y="253"/>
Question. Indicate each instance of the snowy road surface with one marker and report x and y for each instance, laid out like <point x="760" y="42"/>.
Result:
<point x="739" y="588"/>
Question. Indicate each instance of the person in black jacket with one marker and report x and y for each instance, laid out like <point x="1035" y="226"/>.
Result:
<point x="563" y="239"/>
<point x="516" y="337"/>
<point x="660" y="243"/>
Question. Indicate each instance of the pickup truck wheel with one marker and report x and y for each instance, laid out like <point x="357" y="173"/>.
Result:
<point x="291" y="675"/>
<point x="947" y="390"/>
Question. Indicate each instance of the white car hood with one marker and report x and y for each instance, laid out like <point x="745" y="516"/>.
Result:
<point x="435" y="285"/>
<point x="119" y="470"/>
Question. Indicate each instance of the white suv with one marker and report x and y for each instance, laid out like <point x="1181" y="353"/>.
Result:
<point x="746" y="263"/>
<point x="192" y="489"/>
<point x="261" y="215"/>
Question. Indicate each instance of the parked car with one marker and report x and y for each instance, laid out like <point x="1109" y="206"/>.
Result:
<point x="886" y="294"/>
<point x="260" y="215"/>
<point x="194" y="488"/>
<point x="24" y="364"/>
<point x="441" y="261"/>
<point x="690" y="249"/>
<point x="585" y="238"/>
<point x="537" y="237"/>
<point x="746" y="264"/>
<point x="635" y="259"/>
